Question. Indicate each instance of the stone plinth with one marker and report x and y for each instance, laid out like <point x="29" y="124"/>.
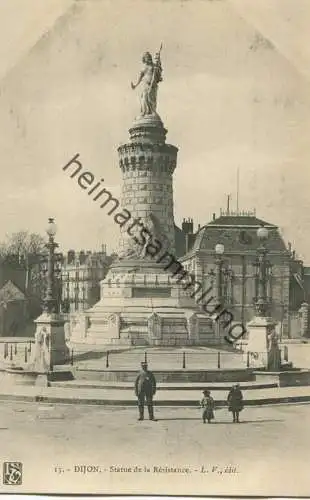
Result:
<point x="146" y="306"/>
<point x="50" y="344"/>
<point x="258" y="331"/>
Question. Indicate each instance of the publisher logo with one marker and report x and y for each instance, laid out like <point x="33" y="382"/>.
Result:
<point x="12" y="473"/>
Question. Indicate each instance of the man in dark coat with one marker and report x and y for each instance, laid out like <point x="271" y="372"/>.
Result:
<point x="145" y="389"/>
<point x="235" y="402"/>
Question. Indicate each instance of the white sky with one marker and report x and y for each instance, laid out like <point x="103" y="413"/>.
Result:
<point x="235" y="94"/>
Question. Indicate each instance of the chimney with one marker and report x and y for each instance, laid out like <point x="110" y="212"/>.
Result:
<point x="82" y="257"/>
<point x="188" y="226"/>
<point x="70" y="256"/>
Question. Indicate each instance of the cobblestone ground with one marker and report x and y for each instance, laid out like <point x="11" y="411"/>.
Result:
<point x="266" y="454"/>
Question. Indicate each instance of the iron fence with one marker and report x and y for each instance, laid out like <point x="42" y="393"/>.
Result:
<point x="175" y="360"/>
<point x="183" y="359"/>
<point x="14" y="350"/>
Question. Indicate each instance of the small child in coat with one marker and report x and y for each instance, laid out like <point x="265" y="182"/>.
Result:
<point x="207" y="405"/>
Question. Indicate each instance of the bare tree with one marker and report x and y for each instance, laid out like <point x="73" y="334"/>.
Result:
<point x="22" y="245"/>
<point x="26" y="250"/>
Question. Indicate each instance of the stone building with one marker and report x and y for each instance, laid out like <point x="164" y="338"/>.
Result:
<point x="81" y="275"/>
<point x="14" y="313"/>
<point x="16" y="305"/>
<point x="237" y="232"/>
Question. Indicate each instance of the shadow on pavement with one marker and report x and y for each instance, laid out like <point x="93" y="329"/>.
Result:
<point x="181" y="418"/>
<point x="219" y="422"/>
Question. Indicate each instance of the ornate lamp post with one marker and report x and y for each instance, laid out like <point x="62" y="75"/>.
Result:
<point x="261" y="329"/>
<point x="50" y="343"/>
<point x="219" y="261"/>
<point x="50" y="301"/>
<point x="262" y="273"/>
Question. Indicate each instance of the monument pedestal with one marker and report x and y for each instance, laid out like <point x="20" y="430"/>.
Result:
<point x="50" y="344"/>
<point x="142" y="304"/>
<point x="259" y="329"/>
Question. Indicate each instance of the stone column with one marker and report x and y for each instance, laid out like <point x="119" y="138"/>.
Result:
<point x="147" y="164"/>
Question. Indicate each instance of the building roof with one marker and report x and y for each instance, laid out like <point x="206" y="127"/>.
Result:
<point x="10" y="293"/>
<point x="239" y="220"/>
<point x="238" y="234"/>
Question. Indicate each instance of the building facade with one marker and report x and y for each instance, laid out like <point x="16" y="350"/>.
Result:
<point x="237" y="232"/>
<point x="81" y="275"/>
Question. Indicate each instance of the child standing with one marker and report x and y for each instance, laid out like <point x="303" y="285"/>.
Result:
<point x="207" y="405"/>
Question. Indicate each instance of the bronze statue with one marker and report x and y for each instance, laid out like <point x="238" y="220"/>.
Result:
<point x="149" y="79"/>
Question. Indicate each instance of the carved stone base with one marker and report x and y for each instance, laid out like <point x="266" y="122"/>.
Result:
<point x="50" y="344"/>
<point x="144" y="305"/>
<point x="259" y="328"/>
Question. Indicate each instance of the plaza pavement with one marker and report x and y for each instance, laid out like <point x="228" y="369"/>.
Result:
<point x="266" y="454"/>
<point x="164" y="397"/>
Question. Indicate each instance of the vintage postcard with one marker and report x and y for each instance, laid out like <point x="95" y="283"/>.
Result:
<point x="154" y="247"/>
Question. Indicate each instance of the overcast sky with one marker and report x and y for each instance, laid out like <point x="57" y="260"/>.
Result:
<point x="235" y="95"/>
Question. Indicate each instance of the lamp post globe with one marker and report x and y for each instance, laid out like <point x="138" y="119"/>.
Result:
<point x="219" y="249"/>
<point x="51" y="228"/>
<point x="262" y="233"/>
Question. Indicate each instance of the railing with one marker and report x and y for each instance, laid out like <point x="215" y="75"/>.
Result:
<point x="19" y="351"/>
<point x="185" y="360"/>
<point x="16" y="350"/>
<point x="174" y="360"/>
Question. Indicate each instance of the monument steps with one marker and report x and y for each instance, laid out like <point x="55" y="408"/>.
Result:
<point x="166" y="375"/>
<point x="128" y="386"/>
<point x="163" y="398"/>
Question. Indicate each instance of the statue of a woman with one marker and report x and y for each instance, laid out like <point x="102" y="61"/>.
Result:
<point x="149" y="78"/>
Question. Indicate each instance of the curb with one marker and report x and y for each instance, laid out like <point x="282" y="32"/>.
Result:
<point x="132" y="402"/>
<point x="168" y="387"/>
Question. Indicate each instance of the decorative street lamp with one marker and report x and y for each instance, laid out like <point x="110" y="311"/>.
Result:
<point x="262" y="346"/>
<point x="219" y="251"/>
<point x="50" y="340"/>
<point x="50" y="301"/>
<point x="262" y="273"/>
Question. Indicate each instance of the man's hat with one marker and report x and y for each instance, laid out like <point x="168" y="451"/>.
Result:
<point x="143" y="363"/>
<point x="206" y="392"/>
